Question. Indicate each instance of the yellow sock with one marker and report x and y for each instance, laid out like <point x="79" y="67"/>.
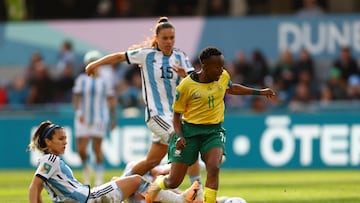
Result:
<point x="161" y="182"/>
<point x="209" y="195"/>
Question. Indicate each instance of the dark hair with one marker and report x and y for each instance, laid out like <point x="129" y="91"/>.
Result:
<point x="208" y="52"/>
<point x="162" y="23"/>
<point x="45" y="130"/>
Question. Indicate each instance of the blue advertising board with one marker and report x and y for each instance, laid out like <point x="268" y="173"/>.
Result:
<point x="322" y="36"/>
<point x="287" y="141"/>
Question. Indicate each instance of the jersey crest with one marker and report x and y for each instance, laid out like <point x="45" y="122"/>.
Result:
<point x="196" y="95"/>
<point x="46" y="168"/>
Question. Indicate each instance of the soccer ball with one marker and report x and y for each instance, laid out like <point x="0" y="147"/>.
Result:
<point x="235" y="200"/>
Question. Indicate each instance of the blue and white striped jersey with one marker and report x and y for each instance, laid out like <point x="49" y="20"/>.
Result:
<point x="94" y="92"/>
<point x="159" y="79"/>
<point x="59" y="180"/>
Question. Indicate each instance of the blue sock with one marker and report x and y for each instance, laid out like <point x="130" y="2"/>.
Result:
<point x="128" y="173"/>
<point x="195" y="178"/>
<point x="99" y="167"/>
<point x="144" y="185"/>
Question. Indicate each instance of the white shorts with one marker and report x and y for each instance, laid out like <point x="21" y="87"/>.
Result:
<point x="161" y="128"/>
<point x="94" y="130"/>
<point x="108" y="192"/>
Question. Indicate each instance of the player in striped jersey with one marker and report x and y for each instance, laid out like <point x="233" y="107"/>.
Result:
<point x="57" y="178"/>
<point x="94" y="104"/>
<point x="162" y="68"/>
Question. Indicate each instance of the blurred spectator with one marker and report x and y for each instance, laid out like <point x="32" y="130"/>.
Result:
<point x="234" y="101"/>
<point x="258" y="7"/>
<point x="346" y="64"/>
<point x="258" y="105"/>
<point x="64" y="84"/>
<point x="217" y="8"/>
<point x="238" y="7"/>
<point x="175" y="7"/>
<point x="302" y="101"/>
<point x="325" y="96"/>
<point x="124" y="8"/>
<point x="41" y="86"/>
<point x="284" y="75"/>
<point x="305" y="77"/>
<point x="66" y="56"/>
<point x="3" y="11"/>
<point x="106" y="9"/>
<point x="305" y="63"/>
<point x="310" y="8"/>
<point x="354" y="87"/>
<point x="16" y="10"/>
<point x="3" y="95"/>
<point x="61" y="9"/>
<point x="34" y="60"/>
<point x="242" y="68"/>
<point x="231" y="69"/>
<point x="336" y="86"/>
<point x="259" y="69"/>
<point x="18" y="92"/>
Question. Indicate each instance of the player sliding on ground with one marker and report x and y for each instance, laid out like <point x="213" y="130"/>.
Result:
<point x="57" y="178"/>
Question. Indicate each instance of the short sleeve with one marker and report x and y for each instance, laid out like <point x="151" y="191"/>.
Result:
<point x="187" y="64"/>
<point x="179" y="105"/>
<point x="48" y="165"/>
<point x="136" y="56"/>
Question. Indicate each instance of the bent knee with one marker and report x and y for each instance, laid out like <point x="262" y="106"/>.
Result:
<point x="213" y="169"/>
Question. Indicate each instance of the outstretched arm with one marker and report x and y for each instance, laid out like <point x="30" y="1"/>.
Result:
<point x="35" y="190"/>
<point x="238" y="89"/>
<point x="108" y="59"/>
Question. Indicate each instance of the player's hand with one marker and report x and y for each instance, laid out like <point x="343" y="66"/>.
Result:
<point x="269" y="93"/>
<point x="180" y="143"/>
<point x="91" y="70"/>
<point x="179" y="70"/>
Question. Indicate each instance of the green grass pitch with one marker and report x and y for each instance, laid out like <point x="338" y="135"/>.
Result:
<point x="258" y="186"/>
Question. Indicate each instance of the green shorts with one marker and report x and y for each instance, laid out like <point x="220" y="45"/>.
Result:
<point x="199" y="138"/>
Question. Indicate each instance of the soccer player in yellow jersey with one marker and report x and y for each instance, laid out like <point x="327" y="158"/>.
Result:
<point x="198" y="116"/>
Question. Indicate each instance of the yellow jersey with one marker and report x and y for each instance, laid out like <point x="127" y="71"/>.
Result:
<point x="202" y="103"/>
